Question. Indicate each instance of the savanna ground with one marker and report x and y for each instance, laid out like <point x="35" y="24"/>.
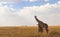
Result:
<point x="28" y="31"/>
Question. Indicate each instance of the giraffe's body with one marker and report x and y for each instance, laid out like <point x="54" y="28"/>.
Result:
<point x="41" y="25"/>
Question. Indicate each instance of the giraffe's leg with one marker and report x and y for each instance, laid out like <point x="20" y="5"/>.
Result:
<point x="46" y="30"/>
<point x="41" y="30"/>
<point x="46" y="27"/>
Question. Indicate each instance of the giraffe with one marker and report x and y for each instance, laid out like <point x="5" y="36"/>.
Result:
<point x="41" y="25"/>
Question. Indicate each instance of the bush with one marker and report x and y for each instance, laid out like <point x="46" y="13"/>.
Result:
<point x="54" y="34"/>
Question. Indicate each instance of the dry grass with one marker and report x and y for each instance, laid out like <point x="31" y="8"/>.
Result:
<point x="25" y="31"/>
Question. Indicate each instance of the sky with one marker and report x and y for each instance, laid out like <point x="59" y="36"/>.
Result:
<point x="22" y="12"/>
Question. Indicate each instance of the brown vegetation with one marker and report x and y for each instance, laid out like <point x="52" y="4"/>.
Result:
<point x="28" y="31"/>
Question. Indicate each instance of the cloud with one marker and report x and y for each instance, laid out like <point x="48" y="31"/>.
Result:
<point x="10" y="1"/>
<point x="15" y="1"/>
<point x="58" y="2"/>
<point x="30" y="0"/>
<point x="7" y="17"/>
<point x="46" y="13"/>
<point x="54" y="19"/>
<point x="33" y="0"/>
<point x="44" y="9"/>
<point x="24" y="11"/>
<point x="46" y="0"/>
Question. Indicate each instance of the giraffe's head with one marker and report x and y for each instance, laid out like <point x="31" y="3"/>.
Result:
<point x="35" y="16"/>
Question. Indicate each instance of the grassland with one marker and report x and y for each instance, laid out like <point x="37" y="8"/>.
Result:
<point x="28" y="31"/>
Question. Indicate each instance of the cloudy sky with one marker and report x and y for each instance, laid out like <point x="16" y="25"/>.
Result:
<point x="22" y="12"/>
